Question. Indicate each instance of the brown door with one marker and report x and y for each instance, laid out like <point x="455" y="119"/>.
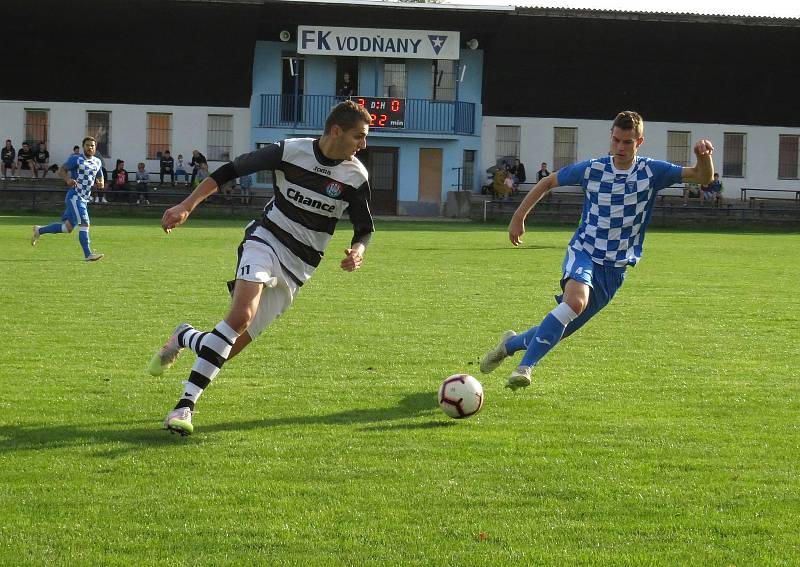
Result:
<point x="381" y="163"/>
<point x="430" y="177"/>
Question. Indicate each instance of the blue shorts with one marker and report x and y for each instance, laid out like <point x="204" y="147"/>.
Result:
<point x="604" y="282"/>
<point x="76" y="212"/>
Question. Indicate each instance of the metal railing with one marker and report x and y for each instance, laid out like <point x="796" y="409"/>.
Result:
<point x="421" y="116"/>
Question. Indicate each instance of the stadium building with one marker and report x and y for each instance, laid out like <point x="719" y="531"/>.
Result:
<point x="453" y="88"/>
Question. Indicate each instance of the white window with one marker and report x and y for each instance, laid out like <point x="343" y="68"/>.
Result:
<point x="36" y="122"/>
<point x="734" y="151"/>
<point x="678" y="147"/>
<point x="394" y="80"/>
<point x="788" y="153"/>
<point x="98" y="126"/>
<point x="159" y="134"/>
<point x="220" y="137"/>
<point x="444" y="79"/>
<point x="565" y="147"/>
<point x="507" y="144"/>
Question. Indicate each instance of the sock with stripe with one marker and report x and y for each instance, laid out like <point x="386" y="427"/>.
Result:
<point x="547" y="334"/>
<point x="54" y="228"/>
<point x="83" y="238"/>
<point x="212" y="351"/>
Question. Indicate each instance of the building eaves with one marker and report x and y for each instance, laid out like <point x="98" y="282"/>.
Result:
<point x="555" y="12"/>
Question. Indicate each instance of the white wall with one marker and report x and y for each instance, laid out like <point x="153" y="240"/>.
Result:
<point x="67" y="125"/>
<point x="536" y="146"/>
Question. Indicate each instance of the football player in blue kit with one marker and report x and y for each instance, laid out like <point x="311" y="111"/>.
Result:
<point x="620" y="190"/>
<point x="81" y="172"/>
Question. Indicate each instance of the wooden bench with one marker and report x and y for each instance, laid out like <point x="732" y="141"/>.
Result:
<point x="745" y="190"/>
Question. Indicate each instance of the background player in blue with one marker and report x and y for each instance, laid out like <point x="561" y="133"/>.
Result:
<point x="316" y="182"/>
<point x="620" y="191"/>
<point x="81" y="172"/>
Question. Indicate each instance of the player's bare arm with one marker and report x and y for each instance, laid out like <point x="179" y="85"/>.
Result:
<point x="177" y="215"/>
<point x="703" y="171"/>
<point x="353" y="257"/>
<point x="64" y="174"/>
<point x="516" y="228"/>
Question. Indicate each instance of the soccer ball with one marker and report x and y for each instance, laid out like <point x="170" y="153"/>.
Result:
<point x="460" y="395"/>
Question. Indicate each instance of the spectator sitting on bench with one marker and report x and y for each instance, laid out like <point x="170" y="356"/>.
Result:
<point x="166" y="167"/>
<point x="42" y="159"/>
<point x="180" y="170"/>
<point x="142" y="189"/>
<point x="7" y="155"/>
<point x="119" y="183"/>
<point x="202" y="173"/>
<point x="714" y="189"/>
<point x="690" y="190"/>
<point x="26" y="160"/>
<point x="501" y="188"/>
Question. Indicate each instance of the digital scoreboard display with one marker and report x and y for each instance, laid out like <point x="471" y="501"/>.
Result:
<point x="385" y="112"/>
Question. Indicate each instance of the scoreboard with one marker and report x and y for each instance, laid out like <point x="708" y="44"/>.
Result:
<point x="385" y="112"/>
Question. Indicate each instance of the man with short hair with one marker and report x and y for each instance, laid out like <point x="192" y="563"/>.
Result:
<point x="26" y="160"/>
<point x="42" y="159"/>
<point x="316" y="181"/>
<point x="166" y="167"/>
<point x="620" y="193"/>
<point x="7" y="156"/>
<point x="81" y="173"/>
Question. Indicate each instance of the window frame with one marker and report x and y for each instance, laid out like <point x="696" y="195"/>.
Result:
<point x="221" y="155"/>
<point x="97" y="136"/>
<point x="163" y="146"/>
<point x="563" y="159"/>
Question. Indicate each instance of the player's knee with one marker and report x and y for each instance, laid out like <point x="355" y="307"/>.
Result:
<point x="240" y="319"/>
<point x="577" y="304"/>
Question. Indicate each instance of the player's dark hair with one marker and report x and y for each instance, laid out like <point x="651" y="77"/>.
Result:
<point x="88" y="139"/>
<point x="346" y="115"/>
<point x="629" y="120"/>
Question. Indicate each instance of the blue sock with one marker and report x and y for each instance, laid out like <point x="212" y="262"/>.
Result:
<point x="547" y="334"/>
<point x="54" y="228"/>
<point x="521" y="341"/>
<point x="83" y="237"/>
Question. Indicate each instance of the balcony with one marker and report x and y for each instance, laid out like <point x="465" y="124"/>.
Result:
<point x="422" y="116"/>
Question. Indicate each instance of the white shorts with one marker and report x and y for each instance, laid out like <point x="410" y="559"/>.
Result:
<point x="259" y="264"/>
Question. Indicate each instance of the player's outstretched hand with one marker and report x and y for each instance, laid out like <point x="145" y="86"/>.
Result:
<point x="516" y="228"/>
<point x="352" y="260"/>
<point x="703" y="148"/>
<point x="174" y="216"/>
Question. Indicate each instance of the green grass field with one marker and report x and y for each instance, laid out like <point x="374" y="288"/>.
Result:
<point x="664" y="433"/>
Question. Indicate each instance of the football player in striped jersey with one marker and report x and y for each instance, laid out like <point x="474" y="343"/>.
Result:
<point x="316" y="181"/>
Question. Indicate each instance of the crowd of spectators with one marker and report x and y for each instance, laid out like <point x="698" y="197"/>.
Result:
<point x="120" y="185"/>
<point x="34" y="158"/>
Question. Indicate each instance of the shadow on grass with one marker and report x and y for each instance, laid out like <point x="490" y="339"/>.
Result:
<point x="505" y="248"/>
<point x="146" y="433"/>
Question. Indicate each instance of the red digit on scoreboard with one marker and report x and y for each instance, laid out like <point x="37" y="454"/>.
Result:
<point x="382" y="121"/>
<point x="361" y="102"/>
<point x="374" y="118"/>
<point x="395" y="105"/>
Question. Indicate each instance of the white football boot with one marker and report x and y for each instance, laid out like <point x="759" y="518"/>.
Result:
<point x="520" y="378"/>
<point x="492" y="359"/>
<point x="179" y="421"/>
<point x="167" y="354"/>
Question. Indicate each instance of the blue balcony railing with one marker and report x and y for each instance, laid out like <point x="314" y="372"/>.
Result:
<point x="422" y="115"/>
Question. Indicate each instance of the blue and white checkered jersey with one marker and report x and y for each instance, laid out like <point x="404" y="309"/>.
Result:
<point x="85" y="171"/>
<point x="618" y="205"/>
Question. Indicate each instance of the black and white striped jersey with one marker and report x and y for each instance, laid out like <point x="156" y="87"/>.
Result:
<point x="312" y="193"/>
